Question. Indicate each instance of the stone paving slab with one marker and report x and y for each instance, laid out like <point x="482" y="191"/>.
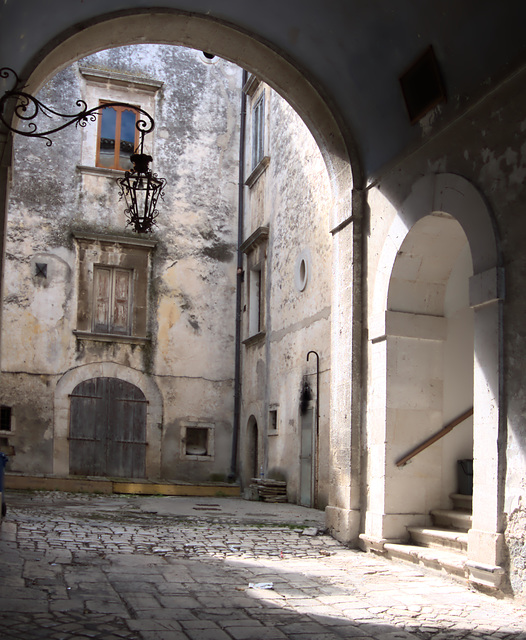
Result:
<point x="75" y="566"/>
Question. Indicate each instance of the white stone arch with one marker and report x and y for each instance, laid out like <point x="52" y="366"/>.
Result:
<point x="454" y="195"/>
<point x="201" y="33"/>
<point x="154" y="412"/>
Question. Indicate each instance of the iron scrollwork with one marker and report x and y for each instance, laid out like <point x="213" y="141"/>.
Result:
<point x="140" y="188"/>
<point x="26" y="108"/>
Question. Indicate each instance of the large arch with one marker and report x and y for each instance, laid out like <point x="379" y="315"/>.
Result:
<point x="343" y="162"/>
<point x="234" y="44"/>
<point x="458" y="199"/>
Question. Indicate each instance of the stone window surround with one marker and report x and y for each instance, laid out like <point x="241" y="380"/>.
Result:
<point x="255" y="248"/>
<point x="254" y="89"/>
<point x="140" y="286"/>
<point x="210" y="448"/>
<point x="273" y="409"/>
<point x="103" y="85"/>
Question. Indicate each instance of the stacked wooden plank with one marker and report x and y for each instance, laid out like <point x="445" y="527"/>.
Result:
<point x="270" y="490"/>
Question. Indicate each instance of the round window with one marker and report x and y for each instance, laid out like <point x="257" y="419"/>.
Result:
<point x="302" y="269"/>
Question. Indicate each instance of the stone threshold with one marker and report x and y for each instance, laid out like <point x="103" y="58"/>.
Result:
<point x="120" y="485"/>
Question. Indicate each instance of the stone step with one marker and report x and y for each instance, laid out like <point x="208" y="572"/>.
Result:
<point x="451" y="562"/>
<point x="436" y="538"/>
<point x="451" y="519"/>
<point x="462" y="501"/>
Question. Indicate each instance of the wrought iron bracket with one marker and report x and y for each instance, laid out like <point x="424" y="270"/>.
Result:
<point x="140" y="188"/>
<point x="26" y="108"/>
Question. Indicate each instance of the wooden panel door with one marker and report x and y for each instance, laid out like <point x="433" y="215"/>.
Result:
<point x="108" y="429"/>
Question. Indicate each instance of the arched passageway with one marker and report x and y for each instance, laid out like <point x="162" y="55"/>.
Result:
<point x="429" y="370"/>
<point x="335" y="144"/>
<point x="435" y="354"/>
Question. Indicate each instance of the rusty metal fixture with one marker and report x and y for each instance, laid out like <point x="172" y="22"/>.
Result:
<point x="140" y="188"/>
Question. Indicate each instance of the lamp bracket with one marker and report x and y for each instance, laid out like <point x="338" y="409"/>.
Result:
<point x="26" y="108"/>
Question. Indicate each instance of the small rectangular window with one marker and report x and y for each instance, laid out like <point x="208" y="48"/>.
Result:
<point x="258" y="132"/>
<point x="111" y="300"/>
<point x="273" y="421"/>
<point x="197" y="440"/>
<point x="5" y="418"/>
<point x="117" y="137"/>
<point x="41" y="269"/>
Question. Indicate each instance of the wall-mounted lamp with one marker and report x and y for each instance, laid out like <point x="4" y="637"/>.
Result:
<point x="140" y="188"/>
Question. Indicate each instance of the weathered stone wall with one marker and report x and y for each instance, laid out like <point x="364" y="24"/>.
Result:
<point x="56" y="193"/>
<point x="291" y="197"/>
<point x="485" y="146"/>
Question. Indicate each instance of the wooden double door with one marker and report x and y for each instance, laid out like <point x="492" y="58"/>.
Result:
<point x="107" y="433"/>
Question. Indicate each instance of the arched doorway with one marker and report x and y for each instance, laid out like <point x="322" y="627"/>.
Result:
<point x="136" y="381"/>
<point x="252" y="450"/>
<point x="107" y="429"/>
<point x="429" y="370"/>
<point x="436" y="233"/>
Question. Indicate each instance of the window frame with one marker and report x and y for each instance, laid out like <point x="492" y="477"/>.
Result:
<point x="258" y="131"/>
<point x="6" y="416"/>
<point x="116" y="153"/>
<point x="110" y="327"/>
<point x="132" y="254"/>
<point x="209" y="427"/>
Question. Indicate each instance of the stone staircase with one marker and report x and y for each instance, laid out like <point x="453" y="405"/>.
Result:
<point x="442" y="546"/>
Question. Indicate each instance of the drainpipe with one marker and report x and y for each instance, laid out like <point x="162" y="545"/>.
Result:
<point x="317" y="433"/>
<point x="239" y="282"/>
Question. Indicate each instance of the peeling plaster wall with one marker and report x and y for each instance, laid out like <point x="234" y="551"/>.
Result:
<point x="55" y="193"/>
<point x="292" y="198"/>
<point x="487" y="147"/>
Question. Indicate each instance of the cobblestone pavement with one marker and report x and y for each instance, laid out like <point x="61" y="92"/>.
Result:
<point x="112" y="568"/>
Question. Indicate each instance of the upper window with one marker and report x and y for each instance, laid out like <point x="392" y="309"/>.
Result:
<point x="117" y="137"/>
<point x="258" y="131"/>
<point x="112" y="300"/>
<point x="113" y="280"/>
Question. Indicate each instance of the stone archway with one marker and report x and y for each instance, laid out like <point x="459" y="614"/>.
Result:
<point x="62" y="412"/>
<point x="199" y="32"/>
<point x="317" y="110"/>
<point x="429" y="370"/>
<point x="450" y="202"/>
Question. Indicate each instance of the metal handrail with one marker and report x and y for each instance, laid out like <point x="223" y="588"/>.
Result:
<point x="440" y="434"/>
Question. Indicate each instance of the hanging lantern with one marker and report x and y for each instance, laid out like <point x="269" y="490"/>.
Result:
<point x="140" y="187"/>
<point x="141" y="190"/>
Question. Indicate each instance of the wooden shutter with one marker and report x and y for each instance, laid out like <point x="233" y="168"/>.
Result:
<point x="101" y="299"/>
<point x="112" y="289"/>
<point x="121" y="301"/>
